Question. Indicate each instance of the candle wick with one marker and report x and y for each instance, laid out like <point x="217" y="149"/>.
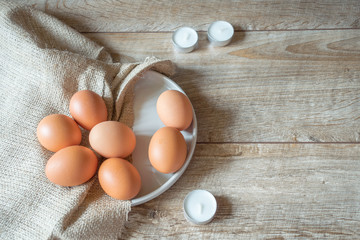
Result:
<point x="188" y="35"/>
<point x="200" y="208"/>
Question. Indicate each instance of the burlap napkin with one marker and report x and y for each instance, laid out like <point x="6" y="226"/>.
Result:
<point x="43" y="63"/>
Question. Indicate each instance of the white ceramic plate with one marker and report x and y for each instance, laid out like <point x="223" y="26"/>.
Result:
<point x="147" y="122"/>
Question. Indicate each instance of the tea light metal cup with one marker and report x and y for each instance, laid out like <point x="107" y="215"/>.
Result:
<point x="220" y="33"/>
<point x="199" y="207"/>
<point x="185" y="39"/>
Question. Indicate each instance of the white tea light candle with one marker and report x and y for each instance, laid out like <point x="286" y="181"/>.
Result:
<point x="199" y="207"/>
<point x="220" y="33"/>
<point x="185" y="39"/>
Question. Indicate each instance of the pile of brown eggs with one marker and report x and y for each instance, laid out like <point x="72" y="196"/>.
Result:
<point x="73" y="164"/>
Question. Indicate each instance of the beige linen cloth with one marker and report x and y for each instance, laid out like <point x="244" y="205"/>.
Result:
<point x="43" y="63"/>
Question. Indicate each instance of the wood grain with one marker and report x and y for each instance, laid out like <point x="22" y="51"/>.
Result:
<point x="264" y="191"/>
<point x="150" y="16"/>
<point x="278" y="111"/>
<point x="265" y="86"/>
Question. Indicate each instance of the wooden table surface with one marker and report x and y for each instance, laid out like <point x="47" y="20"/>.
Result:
<point x="278" y="111"/>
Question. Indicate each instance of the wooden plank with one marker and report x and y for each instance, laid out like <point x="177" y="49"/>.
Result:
<point x="298" y="86"/>
<point x="147" y="16"/>
<point x="264" y="191"/>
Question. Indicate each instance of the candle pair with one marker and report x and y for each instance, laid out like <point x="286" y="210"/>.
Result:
<point x="219" y="33"/>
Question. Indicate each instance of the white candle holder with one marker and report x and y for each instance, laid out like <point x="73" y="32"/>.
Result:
<point x="199" y="207"/>
<point x="185" y="39"/>
<point x="220" y="33"/>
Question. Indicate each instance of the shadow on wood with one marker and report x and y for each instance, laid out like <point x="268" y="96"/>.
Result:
<point x="206" y="112"/>
<point x="224" y="208"/>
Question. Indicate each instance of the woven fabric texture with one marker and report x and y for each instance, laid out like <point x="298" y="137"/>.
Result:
<point x="43" y="62"/>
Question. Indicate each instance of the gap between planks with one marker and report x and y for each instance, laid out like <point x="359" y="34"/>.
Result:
<point x="201" y="31"/>
<point x="278" y="143"/>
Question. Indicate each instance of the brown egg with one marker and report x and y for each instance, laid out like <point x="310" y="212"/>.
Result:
<point x="58" y="131"/>
<point x="119" y="178"/>
<point x="174" y="109"/>
<point x="88" y="109"/>
<point x="71" y="166"/>
<point x="112" y="139"/>
<point x="167" y="150"/>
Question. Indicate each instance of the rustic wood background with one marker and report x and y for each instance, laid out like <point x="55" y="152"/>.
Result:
<point x="278" y="111"/>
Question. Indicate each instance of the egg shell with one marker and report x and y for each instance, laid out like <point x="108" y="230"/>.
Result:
<point x="58" y="131"/>
<point x="174" y="109"/>
<point x="112" y="139"/>
<point x="119" y="179"/>
<point x="88" y="109"/>
<point x="71" y="166"/>
<point x="167" y="150"/>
